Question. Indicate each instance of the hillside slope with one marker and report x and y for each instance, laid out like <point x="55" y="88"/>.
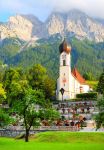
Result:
<point x="87" y="56"/>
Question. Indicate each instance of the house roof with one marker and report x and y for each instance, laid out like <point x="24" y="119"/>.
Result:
<point x="78" y="76"/>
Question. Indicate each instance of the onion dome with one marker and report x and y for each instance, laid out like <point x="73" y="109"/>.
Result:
<point x="64" y="47"/>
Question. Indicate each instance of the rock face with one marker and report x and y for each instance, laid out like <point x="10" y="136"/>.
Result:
<point x="21" y="27"/>
<point x="76" y="23"/>
<point x="73" y="23"/>
<point x="55" y="24"/>
<point x="25" y="27"/>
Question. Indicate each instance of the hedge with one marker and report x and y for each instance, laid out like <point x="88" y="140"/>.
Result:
<point x="91" y="95"/>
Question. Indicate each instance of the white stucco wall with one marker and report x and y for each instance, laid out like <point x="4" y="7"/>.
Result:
<point x="65" y="56"/>
<point x="86" y="88"/>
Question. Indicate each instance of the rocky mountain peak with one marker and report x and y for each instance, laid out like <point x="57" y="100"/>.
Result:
<point x="73" y="22"/>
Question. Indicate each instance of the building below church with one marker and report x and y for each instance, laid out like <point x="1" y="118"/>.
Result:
<point x="70" y="82"/>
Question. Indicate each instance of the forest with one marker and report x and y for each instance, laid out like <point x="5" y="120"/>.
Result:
<point x="87" y="56"/>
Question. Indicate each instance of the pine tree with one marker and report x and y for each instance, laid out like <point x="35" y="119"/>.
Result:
<point x="100" y="87"/>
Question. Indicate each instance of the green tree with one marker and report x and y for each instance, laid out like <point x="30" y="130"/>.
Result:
<point x="100" y="116"/>
<point x="49" y="88"/>
<point x="2" y="93"/>
<point x="5" y="119"/>
<point x="50" y="115"/>
<point x="39" y="79"/>
<point x="30" y="108"/>
<point x="24" y="96"/>
<point x="88" y="76"/>
<point x="14" y="83"/>
<point x="100" y="87"/>
<point x="27" y="110"/>
<point x="37" y="75"/>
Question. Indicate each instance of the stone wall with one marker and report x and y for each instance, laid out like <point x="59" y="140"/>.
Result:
<point x="13" y="133"/>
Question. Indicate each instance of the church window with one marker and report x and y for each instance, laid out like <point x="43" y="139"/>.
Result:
<point x="64" y="63"/>
<point x="63" y="56"/>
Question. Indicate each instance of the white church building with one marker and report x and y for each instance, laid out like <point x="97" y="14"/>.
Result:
<point x="70" y="82"/>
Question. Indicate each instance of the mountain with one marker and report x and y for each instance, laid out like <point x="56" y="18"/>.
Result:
<point x="87" y="56"/>
<point x="24" y="27"/>
<point x="101" y="21"/>
<point x="73" y="23"/>
<point x="76" y="23"/>
<point x="25" y="41"/>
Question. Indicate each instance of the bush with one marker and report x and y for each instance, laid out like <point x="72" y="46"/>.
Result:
<point x="91" y="96"/>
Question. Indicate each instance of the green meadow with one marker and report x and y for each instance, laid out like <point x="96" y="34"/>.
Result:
<point x="56" y="141"/>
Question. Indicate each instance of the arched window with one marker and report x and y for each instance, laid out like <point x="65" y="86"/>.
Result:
<point x="64" y="63"/>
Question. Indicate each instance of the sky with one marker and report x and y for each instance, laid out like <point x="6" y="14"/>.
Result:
<point x="42" y="8"/>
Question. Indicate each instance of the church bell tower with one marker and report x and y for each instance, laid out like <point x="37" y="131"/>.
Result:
<point x="63" y="82"/>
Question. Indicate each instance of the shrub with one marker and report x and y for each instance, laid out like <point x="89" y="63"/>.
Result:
<point x="91" y="96"/>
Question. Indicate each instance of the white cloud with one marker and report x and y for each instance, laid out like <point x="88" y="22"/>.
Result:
<point x="91" y="7"/>
<point x="43" y="7"/>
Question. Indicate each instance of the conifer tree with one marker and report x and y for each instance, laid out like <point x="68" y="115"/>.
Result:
<point x="100" y="87"/>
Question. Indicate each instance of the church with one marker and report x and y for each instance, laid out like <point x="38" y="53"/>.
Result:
<point x="70" y="82"/>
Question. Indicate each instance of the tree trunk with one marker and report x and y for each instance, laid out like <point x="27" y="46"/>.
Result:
<point x="27" y="135"/>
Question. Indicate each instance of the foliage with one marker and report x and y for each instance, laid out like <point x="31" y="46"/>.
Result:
<point x="5" y="119"/>
<point x="92" y="84"/>
<point x="37" y="75"/>
<point x="25" y="91"/>
<point x="87" y="56"/>
<point x="49" y="115"/>
<point x="88" y="76"/>
<point x="26" y="108"/>
<point x="14" y="83"/>
<point x="32" y="107"/>
<point x="100" y="87"/>
<point x="100" y="116"/>
<point x="9" y="47"/>
<point x="91" y="95"/>
<point x="39" y="79"/>
<point x="2" y="93"/>
<point x="28" y="95"/>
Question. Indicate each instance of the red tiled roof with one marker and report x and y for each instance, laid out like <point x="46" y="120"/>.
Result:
<point x="78" y="76"/>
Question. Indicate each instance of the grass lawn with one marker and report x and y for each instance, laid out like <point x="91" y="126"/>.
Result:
<point x="56" y="141"/>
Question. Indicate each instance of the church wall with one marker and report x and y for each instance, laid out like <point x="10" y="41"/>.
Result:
<point x="66" y="57"/>
<point x="86" y="88"/>
<point x="64" y="81"/>
<point x="74" y="87"/>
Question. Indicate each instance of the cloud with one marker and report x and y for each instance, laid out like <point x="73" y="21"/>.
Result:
<point x="92" y="7"/>
<point x="42" y="8"/>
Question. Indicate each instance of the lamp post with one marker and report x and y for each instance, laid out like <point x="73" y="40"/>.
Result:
<point x="62" y="92"/>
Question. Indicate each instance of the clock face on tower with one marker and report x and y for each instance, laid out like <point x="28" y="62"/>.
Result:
<point x="64" y="80"/>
